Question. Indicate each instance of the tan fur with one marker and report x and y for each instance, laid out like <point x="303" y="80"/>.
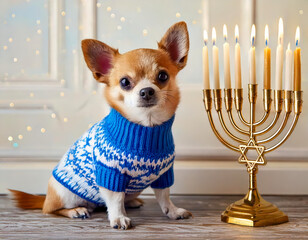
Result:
<point x="53" y="201"/>
<point x="141" y="67"/>
<point x="27" y="201"/>
<point x="130" y="62"/>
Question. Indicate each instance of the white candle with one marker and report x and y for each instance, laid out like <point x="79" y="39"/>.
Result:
<point x="288" y="76"/>
<point x="252" y="57"/>
<point x="205" y="56"/>
<point x="226" y="49"/>
<point x="279" y="58"/>
<point x="267" y="61"/>
<point x="215" y="61"/>
<point x="238" y="74"/>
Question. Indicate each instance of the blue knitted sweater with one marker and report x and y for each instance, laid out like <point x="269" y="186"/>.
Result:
<point x="118" y="155"/>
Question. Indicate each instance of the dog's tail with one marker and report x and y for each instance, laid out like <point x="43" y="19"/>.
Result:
<point x="27" y="201"/>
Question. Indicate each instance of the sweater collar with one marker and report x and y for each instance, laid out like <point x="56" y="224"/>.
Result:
<point x="133" y="137"/>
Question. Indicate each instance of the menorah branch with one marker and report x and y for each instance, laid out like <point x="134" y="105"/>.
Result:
<point x="278" y="131"/>
<point x="207" y="99"/>
<point x="298" y="103"/>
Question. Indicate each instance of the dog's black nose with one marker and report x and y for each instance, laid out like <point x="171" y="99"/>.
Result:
<point x="147" y="93"/>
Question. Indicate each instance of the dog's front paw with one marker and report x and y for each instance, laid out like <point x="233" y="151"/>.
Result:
<point x="177" y="213"/>
<point x="121" y="222"/>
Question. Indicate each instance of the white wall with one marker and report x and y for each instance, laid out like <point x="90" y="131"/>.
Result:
<point x="56" y="81"/>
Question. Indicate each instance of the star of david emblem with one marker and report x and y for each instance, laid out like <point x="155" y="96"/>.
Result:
<point x="251" y="145"/>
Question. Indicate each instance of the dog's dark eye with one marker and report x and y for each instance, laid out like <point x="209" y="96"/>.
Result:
<point x="162" y="76"/>
<point x="125" y="83"/>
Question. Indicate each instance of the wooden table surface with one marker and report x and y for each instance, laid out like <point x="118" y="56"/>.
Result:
<point x="150" y="223"/>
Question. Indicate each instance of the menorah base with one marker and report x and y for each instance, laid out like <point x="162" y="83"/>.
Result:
<point x="253" y="211"/>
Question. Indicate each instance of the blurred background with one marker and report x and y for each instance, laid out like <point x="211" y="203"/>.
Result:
<point x="48" y="97"/>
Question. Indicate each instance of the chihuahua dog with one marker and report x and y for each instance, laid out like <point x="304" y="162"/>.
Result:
<point x="130" y="149"/>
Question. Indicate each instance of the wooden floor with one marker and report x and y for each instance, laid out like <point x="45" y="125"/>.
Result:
<point x="150" y="223"/>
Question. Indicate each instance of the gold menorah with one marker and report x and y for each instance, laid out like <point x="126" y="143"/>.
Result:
<point x="253" y="210"/>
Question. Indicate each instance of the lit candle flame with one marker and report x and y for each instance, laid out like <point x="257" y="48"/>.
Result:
<point x="297" y="35"/>
<point x="205" y="37"/>
<point x="214" y="36"/>
<point x="280" y="32"/>
<point x="266" y="34"/>
<point x="253" y="35"/>
<point x="225" y="33"/>
<point x="236" y="33"/>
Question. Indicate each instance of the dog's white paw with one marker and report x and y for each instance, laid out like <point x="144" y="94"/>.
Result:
<point x="121" y="222"/>
<point x="134" y="203"/>
<point x="79" y="212"/>
<point x="177" y="213"/>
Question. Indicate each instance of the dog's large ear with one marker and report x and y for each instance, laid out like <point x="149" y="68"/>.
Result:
<point x="99" y="58"/>
<point x="176" y="43"/>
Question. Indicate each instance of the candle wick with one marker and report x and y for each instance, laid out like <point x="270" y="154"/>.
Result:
<point x="236" y="40"/>
<point x="214" y="42"/>
<point x="266" y="42"/>
<point x="253" y="41"/>
<point x="296" y="42"/>
<point x="225" y="38"/>
<point x="205" y="43"/>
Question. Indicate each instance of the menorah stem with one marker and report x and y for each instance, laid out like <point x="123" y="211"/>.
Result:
<point x="253" y="178"/>
<point x="252" y="95"/>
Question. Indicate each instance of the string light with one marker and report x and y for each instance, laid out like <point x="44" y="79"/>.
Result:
<point x="28" y="39"/>
<point x="38" y="22"/>
<point x="4" y="48"/>
<point x="53" y="115"/>
<point x="62" y="94"/>
<point x="10" y="39"/>
<point x="112" y="15"/>
<point x="39" y="31"/>
<point x="10" y="138"/>
<point x="67" y="28"/>
<point x="108" y="9"/>
<point x="98" y="5"/>
<point x="29" y="128"/>
<point x="62" y="81"/>
<point x="145" y="32"/>
<point x="15" y="145"/>
<point x="20" y="137"/>
<point x="12" y="104"/>
<point x="122" y="19"/>
<point x="43" y="130"/>
<point x="119" y="27"/>
<point x="63" y="13"/>
<point x="32" y="94"/>
<point x="178" y="15"/>
<point x="65" y="119"/>
<point x="15" y="60"/>
<point x="37" y="52"/>
<point x="13" y="15"/>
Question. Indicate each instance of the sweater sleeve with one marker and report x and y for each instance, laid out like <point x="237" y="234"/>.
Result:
<point x="111" y="178"/>
<point x="164" y="181"/>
